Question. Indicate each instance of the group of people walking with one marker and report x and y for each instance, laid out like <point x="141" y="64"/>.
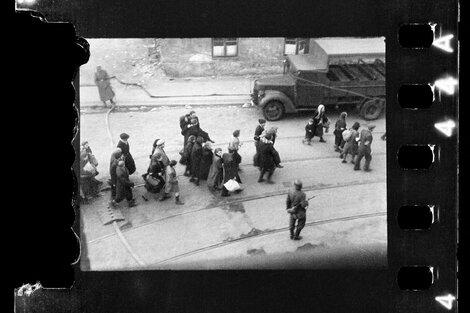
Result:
<point x="347" y="141"/>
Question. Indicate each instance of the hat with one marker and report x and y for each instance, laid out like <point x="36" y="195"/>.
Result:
<point x="160" y="142"/>
<point x="298" y="182"/>
<point x="124" y="136"/>
<point x="236" y="133"/>
<point x="261" y="121"/>
<point x="191" y="112"/>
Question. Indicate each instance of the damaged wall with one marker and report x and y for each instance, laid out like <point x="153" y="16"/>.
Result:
<point x="193" y="57"/>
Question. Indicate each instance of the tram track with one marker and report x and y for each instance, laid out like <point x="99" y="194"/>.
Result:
<point x="120" y="233"/>
<point x="267" y="233"/>
<point x="227" y="202"/>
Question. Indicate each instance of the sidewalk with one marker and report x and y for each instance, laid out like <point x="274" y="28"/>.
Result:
<point x="177" y="92"/>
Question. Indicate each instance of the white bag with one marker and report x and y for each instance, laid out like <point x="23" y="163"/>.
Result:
<point x="89" y="168"/>
<point x="232" y="185"/>
<point x="347" y="134"/>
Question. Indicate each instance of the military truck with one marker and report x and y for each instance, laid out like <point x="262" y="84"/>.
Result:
<point x="346" y="72"/>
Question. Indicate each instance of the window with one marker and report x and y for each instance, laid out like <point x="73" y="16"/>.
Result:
<point x="296" y="46"/>
<point x="224" y="47"/>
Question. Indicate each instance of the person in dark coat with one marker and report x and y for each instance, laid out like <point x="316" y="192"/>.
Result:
<point x="123" y="186"/>
<point x="364" y="149"/>
<point x="215" y="176"/>
<point x="196" y="157"/>
<point x="116" y="156"/>
<point x="154" y="178"/>
<point x="196" y="131"/>
<point x="267" y="159"/>
<point x="272" y="134"/>
<point x="186" y="157"/>
<point x="320" y="121"/>
<point x="230" y="171"/>
<point x="234" y="145"/>
<point x="206" y="161"/>
<point x="102" y="80"/>
<point x="340" y="126"/>
<point x="259" y="130"/>
<point x="296" y="206"/>
<point x="185" y="125"/>
<point x="160" y="149"/>
<point x="350" y="147"/>
<point x="309" y="131"/>
<point x="125" y="148"/>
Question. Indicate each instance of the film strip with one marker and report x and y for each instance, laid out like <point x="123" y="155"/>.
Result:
<point x="422" y="163"/>
<point x="423" y="241"/>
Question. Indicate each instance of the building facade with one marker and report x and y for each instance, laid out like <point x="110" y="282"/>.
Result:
<point x="193" y="57"/>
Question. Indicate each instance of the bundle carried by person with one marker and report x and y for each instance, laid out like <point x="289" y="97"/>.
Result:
<point x="346" y="134"/>
<point x="154" y="183"/>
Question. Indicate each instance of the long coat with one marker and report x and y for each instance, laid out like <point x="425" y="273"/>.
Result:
<point x="214" y="179"/>
<point x="186" y="157"/>
<point x="206" y="162"/>
<point x="104" y="86"/>
<point x="165" y="159"/>
<point x="268" y="158"/>
<point x="196" y="156"/>
<point x="319" y="121"/>
<point x="230" y="167"/>
<point x="123" y="184"/>
<point x="197" y="132"/>
<point x="112" y="167"/>
<point x="128" y="159"/>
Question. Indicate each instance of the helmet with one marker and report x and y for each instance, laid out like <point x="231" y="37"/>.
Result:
<point x="298" y="182"/>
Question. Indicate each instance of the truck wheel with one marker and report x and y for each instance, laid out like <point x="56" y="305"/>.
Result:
<point x="371" y="109"/>
<point x="273" y="110"/>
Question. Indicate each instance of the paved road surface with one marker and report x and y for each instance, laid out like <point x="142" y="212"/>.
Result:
<point x="349" y="210"/>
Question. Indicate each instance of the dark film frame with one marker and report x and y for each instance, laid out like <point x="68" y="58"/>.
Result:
<point x="332" y="290"/>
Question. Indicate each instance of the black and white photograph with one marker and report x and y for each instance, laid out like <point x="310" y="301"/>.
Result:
<point x="232" y="153"/>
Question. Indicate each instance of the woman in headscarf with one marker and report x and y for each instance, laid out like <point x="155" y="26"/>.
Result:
<point x="206" y="161"/>
<point x="340" y="126"/>
<point x="196" y="156"/>
<point x="116" y="156"/>
<point x="154" y="179"/>
<point x="320" y="121"/>
<point x="214" y="179"/>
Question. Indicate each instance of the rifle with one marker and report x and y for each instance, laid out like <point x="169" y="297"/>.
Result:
<point x="292" y="210"/>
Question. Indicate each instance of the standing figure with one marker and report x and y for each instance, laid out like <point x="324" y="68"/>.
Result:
<point x="309" y="132"/>
<point x="340" y="126"/>
<point x="230" y="171"/>
<point x="102" y="80"/>
<point x="186" y="157"/>
<point x="214" y="179"/>
<point x="267" y="159"/>
<point x="259" y="130"/>
<point x="171" y="183"/>
<point x="185" y="125"/>
<point x="154" y="180"/>
<point x="160" y="149"/>
<point x="206" y="161"/>
<point x="116" y="156"/>
<point x="350" y="147"/>
<point x="234" y="145"/>
<point x="296" y="205"/>
<point x="196" y="156"/>
<point x="320" y="121"/>
<point x="272" y="133"/>
<point x="364" y="149"/>
<point x="88" y="183"/>
<point x="125" y="148"/>
<point x="123" y="186"/>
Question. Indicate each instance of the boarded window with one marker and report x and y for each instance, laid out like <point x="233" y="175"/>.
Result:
<point x="224" y="47"/>
<point x="296" y="46"/>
